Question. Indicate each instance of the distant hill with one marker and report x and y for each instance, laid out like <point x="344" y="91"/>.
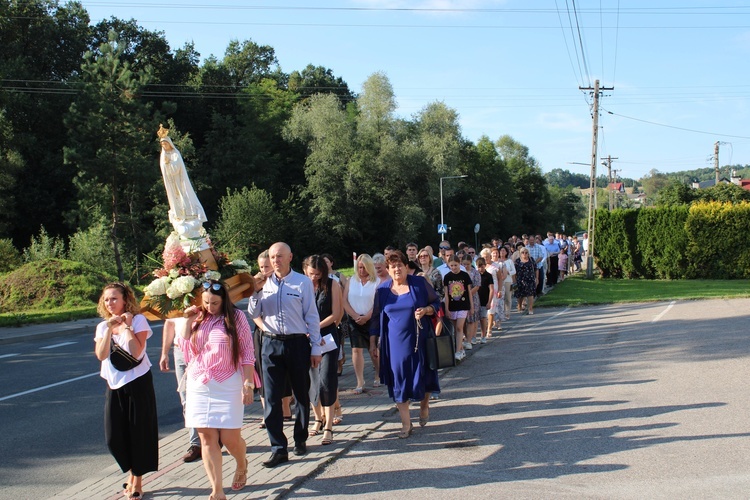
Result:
<point x="564" y="178"/>
<point x="708" y="173"/>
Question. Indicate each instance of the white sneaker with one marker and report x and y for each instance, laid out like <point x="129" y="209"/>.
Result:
<point x="459" y="355"/>
<point x="474" y="341"/>
<point x="467" y="346"/>
<point x="483" y="341"/>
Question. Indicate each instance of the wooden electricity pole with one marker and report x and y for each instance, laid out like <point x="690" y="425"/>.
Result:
<point x="592" y="185"/>
<point x="716" y="162"/>
<point x="610" y="180"/>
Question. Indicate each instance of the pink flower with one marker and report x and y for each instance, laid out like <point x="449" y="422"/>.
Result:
<point x="174" y="255"/>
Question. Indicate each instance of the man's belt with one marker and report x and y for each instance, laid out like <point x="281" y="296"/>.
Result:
<point x="288" y="336"/>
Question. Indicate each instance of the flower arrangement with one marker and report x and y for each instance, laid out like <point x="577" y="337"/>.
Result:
<point x="182" y="273"/>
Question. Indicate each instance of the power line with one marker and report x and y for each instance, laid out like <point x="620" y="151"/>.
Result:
<point x="617" y="39"/>
<point x="685" y="10"/>
<point x="567" y="47"/>
<point x="675" y="127"/>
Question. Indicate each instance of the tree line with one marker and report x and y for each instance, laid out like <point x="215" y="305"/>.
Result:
<point x="297" y="156"/>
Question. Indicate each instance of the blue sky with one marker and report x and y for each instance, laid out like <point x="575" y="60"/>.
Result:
<point x="679" y="68"/>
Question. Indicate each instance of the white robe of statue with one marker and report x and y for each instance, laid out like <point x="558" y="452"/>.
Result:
<point x="185" y="211"/>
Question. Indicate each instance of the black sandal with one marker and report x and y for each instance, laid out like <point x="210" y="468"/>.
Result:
<point x="327" y="441"/>
<point x="316" y="429"/>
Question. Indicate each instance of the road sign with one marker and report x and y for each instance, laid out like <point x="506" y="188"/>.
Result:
<point x="442" y="228"/>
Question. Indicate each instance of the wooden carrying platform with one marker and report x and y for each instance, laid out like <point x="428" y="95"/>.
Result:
<point x="240" y="286"/>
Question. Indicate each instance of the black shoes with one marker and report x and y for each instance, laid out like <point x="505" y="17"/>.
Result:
<point x="277" y="457"/>
<point x="193" y="454"/>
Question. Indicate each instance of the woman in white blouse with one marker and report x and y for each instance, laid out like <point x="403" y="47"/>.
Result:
<point x="130" y="425"/>
<point x="359" y="298"/>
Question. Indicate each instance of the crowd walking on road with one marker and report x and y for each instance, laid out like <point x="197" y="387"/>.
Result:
<point x="293" y="346"/>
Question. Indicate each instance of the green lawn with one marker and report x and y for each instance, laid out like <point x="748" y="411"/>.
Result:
<point x="46" y="316"/>
<point x="577" y="291"/>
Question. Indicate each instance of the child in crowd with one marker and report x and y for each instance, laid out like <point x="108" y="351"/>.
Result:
<point x="473" y="319"/>
<point x="562" y="262"/>
<point x="485" y="293"/>
<point x="458" y="302"/>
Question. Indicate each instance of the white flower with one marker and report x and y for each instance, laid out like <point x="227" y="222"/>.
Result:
<point x="181" y="286"/>
<point x="157" y="287"/>
<point x="174" y="273"/>
<point x="212" y="275"/>
<point x="239" y="263"/>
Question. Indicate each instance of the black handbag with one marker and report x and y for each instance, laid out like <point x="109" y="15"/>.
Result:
<point x="441" y="351"/>
<point x="121" y="359"/>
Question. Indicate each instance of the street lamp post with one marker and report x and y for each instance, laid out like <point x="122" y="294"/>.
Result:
<point x="441" y="195"/>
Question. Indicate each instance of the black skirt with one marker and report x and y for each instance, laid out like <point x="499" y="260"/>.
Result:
<point x="130" y="426"/>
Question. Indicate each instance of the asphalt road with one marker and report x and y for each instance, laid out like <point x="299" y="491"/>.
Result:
<point x="52" y="435"/>
<point x="624" y="401"/>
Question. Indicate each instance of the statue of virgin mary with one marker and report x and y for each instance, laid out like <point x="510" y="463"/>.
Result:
<point x="185" y="211"/>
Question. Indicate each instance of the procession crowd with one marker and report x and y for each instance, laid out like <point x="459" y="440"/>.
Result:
<point x="290" y="344"/>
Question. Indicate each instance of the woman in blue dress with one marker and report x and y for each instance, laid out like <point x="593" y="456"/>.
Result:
<point x="401" y="303"/>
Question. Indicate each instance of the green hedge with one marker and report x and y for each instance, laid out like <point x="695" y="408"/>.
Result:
<point x="719" y="240"/>
<point x="708" y="240"/>
<point x="616" y="244"/>
<point x="662" y="242"/>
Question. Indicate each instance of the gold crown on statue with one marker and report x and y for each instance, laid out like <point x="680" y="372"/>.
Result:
<point x="162" y="132"/>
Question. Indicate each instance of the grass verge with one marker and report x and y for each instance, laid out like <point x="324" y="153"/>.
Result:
<point x="46" y="316"/>
<point x="576" y="290"/>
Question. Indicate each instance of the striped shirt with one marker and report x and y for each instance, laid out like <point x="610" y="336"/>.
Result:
<point x="536" y="252"/>
<point x="210" y="356"/>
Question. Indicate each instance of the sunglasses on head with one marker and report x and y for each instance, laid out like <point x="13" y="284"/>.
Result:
<point x="213" y="286"/>
<point x="444" y="248"/>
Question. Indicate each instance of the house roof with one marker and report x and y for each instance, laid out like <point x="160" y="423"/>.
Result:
<point x="709" y="183"/>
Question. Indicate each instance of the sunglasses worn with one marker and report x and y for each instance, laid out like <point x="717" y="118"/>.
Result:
<point x="213" y="286"/>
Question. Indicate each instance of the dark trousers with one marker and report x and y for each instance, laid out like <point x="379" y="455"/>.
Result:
<point x="281" y="359"/>
<point x="552" y="272"/>
<point x="130" y="426"/>
<point x="540" y="282"/>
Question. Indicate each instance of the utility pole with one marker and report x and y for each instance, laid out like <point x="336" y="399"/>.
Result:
<point x="592" y="186"/>
<point x="608" y="163"/>
<point x="716" y="162"/>
<point x="616" y="197"/>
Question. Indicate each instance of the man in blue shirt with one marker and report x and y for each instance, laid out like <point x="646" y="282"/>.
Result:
<point x="553" y="250"/>
<point x="285" y="302"/>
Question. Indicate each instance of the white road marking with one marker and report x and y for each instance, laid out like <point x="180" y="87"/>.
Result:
<point x="10" y="355"/>
<point x="665" y="311"/>
<point x="57" y="345"/>
<point x="30" y="391"/>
